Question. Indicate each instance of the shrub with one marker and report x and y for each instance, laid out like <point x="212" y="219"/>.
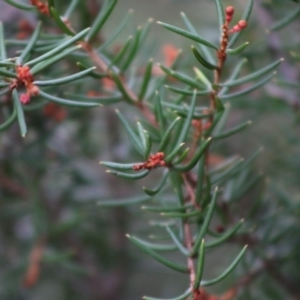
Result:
<point x="177" y="160"/>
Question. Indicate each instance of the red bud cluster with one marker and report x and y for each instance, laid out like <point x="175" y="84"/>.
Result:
<point x="154" y="161"/>
<point x="239" y="26"/>
<point x="25" y="78"/>
<point x="41" y="6"/>
<point x="229" y="11"/>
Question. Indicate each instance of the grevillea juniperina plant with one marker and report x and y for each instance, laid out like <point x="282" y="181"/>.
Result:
<point x="182" y="120"/>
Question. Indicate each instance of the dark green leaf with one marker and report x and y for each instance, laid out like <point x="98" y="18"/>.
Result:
<point x="227" y="271"/>
<point x="61" y="24"/>
<point x="159" y="258"/>
<point x="200" y="265"/>
<point x="146" y="80"/>
<point x="188" y="35"/>
<point x="64" y="80"/>
<point x="123" y="202"/>
<point x="20" y="113"/>
<point x="66" y="101"/>
<point x="101" y="19"/>
<point x="205" y="224"/>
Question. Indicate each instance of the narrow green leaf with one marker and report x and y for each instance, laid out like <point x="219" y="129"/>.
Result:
<point x="188" y="35"/>
<point x="227" y="271"/>
<point x="237" y="50"/>
<point x="162" y="209"/>
<point x="101" y="19"/>
<point x="64" y="80"/>
<point x="146" y="80"/>
<point x="177" y="242"/>
<point x="182" y="215"/>
<point x="249" y="89"/>
<point x="177" y="182"/>
<point x="148" y="144"/>
<point x="206" y="223"/>
<point x="121" y="88"/>
<point x="163" y="224"/>
<point x="245" y="17"/>
<point x="208" y="55"/>
<point x="123" y="202"/>
<point x="32" y="41"/>
<point x="134" y="140"/>
<point x="9" y="74"/>
<point x="131" y="176"/>
<point x="216" y="121"/>
<point x="221" y="15"/>
<point x="184" y="296"/>
<point x="121" y="53"/>
<point x="145" y="29"/>
<point x="159" y="258"/>
<point x="101" y="99"/>
<point x="232" y="131"/>
<point x="116" y="32"/>
<point x="84" y="67"/>
<point x="233" y="76"/>
<point x="21" y="5"/>
<point x="175" y="136"/>
<point x="207" y="196"/>
<point x="182" y="108"/>
<point x="10" y="120"/>
<point x="159" y="115"/>
<point x="117" y="166"/>
<point x="20" y="113"/>
<point x="200" y="265"/>
<point x="59" y="48"/>
<point x="200" y="75"/>
<point x="167" y="135"/>
<point x="61" y="24"/>
<point x="186" y="92"/>
<point x="224" y="115"/>
<point x="145" y="140"/>
<point x="7" y="65"/>
<point x="286" y="20"/>
<point x="182" y="77"/>
<point x="70" y="9"/>
<point x="182" y="157"/>
<point x="157" y="189"/>
<point x="224" y="237"/>
<point x="200" y="179"/>
<point x="202" y="60"/>
<point x="173" y="153"/>
<point x="50" y="4"/>
<point x="66" y="101"/>
<point x="158" y="247"/>
<point x="44" y="64"/>
<point x="188" y="121"/>
<point x="254" y="75"/>
<point x="194" y="160"/>
<point x="133" y="51"/>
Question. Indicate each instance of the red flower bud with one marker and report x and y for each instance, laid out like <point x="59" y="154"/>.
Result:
<point x="229" y="10"/>
<point x="242" y="24"/>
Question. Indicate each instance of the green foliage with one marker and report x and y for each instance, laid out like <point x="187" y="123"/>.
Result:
<point x="177" y="151"/>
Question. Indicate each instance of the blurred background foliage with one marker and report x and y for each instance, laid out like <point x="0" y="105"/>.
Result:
<point x="51" y="181"/>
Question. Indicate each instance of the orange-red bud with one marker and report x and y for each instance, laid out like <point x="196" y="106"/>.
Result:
<point x="242" y="24"/>
<point x="229" y="10"/>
